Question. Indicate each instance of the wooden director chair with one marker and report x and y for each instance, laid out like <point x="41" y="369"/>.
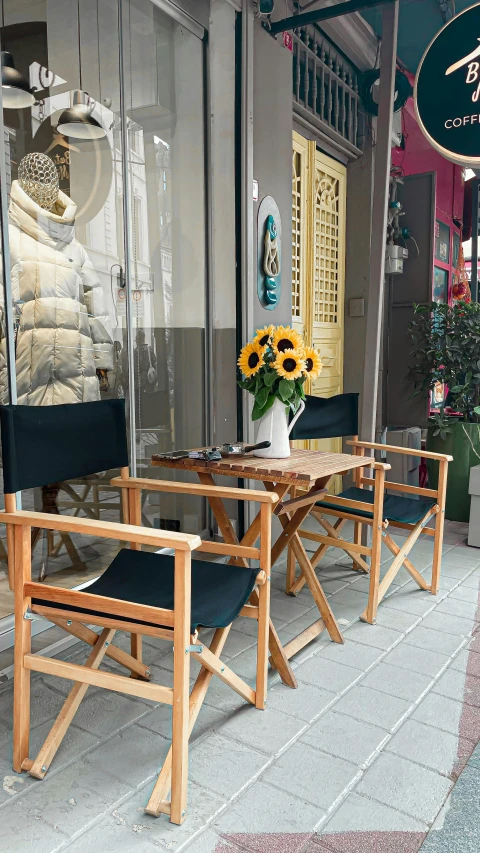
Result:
<point x="335" y="417"/>
<point x="143" y="593"/>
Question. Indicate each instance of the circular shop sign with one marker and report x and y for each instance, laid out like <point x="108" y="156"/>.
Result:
<point x="447" y="89"/>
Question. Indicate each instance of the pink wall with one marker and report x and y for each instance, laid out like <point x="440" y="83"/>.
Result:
<point x="419" y="156"/>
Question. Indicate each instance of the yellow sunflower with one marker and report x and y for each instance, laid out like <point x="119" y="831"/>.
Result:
<point x="264" y="335"/>
<point x="251" y="358"/>
<point x="313" y="363"/>
<point x="290" y="364"/>
<point x="285" y="338"/>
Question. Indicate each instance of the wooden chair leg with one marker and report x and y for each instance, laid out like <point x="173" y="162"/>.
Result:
<point x="136" y="649"/>
<point x="291" y="562"/>
<point x="357" y="538"/>
<point x="62" y="723"/>
<point x="439" y="526"/>
<point x="263" y="607"/>
<point x="370" y="614"/>
<point x="23" y="636"/>
<point x="181" y="683"/>
<point x="197" y="696"/>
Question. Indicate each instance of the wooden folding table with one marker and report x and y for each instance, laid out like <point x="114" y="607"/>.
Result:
<point x="304" y="475"/>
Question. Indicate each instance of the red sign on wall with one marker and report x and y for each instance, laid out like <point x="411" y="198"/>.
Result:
<point x="288" y="41"/>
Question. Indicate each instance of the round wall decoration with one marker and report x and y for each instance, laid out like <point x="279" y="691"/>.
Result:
<point x="447" y="89"/>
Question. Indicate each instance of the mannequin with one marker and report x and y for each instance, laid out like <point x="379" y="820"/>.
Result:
<point x="63" y="343"/>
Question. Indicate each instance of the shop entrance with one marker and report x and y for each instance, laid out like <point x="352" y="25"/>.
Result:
<point x="318" y="268"/>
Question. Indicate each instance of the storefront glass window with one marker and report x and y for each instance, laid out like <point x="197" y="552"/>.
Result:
<point x="67" y="232"/>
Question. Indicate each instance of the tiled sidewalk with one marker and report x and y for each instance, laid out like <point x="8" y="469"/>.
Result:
<point x="361" y="757"/>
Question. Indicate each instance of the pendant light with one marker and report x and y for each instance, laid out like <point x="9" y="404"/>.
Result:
<point x="77" y="121"/>
<point x="16" y="92"/>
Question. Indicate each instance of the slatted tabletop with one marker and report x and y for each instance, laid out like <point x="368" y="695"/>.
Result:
<point x="301" y="468"/>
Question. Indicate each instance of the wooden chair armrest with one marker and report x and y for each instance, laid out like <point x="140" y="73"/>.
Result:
<point x="106" y="529"/>
<point x="231" y="492"/>
<point x="406" y="451"/>
<point x="378" y="466"/>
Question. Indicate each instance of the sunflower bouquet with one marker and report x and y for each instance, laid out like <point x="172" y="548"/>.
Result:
<point x="276" y="364"/>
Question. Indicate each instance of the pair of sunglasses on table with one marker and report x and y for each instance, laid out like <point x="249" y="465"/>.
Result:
<point x="213" y="454"/>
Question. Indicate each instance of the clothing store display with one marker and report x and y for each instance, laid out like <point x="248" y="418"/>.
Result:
<point x="63" y="334"/>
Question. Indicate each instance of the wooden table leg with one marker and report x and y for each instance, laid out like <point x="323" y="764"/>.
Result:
<point x="290" y="536"/>
<point x="277" y="652"/>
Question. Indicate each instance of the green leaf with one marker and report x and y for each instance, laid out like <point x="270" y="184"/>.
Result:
<point x="258" y="412"/>
<point x="269" y="377"/>
<point x="261" y="397"/>
<point x="286" y="388"/>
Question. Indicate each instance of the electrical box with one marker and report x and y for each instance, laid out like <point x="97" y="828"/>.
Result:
<point x="394" y="258"/>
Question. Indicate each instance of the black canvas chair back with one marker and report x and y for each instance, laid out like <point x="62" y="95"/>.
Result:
<point x="327" y="417"/>
<point x="50" y="444"/>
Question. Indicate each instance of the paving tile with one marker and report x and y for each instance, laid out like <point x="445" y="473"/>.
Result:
<point x="465" y="593"/>
<point x="378" y="636"/>
<point x="456" y="685"/>
<point x="105" y="713"/>
<point x="359" y="814"/>
<point x="160" y="720"/>
<point x="306" y="705"/>
<point x="286" y="609"/>
<point x="221" y="697"/>
<point x="267" y="842"/>
<point x="456" y="607"/>
<point x="210" y="842"/>
<point x="450" y="716"/>
<point x="75" y="742"/>
<point x="337" y="734"/>
<point x="403" y="683"/>
<point x="202" y="806"/>
<point x="409" y="602"/>
<point x="459" y="828"/>
<point x="351" y="653"/>
<point x="268" y="731"/>
<point x="224" y="766"/>
<point x="326" y="673"/>
<point x="73" y="798"/>
<point x="21" y="832"/>
<point x="435" y="641"/>
<point x="44" y="705"/>
<point x="134" y="755"/>
<point x="425" y="745"/>
<point x="473" y="580"/>
<point x="372" y="706"/>
<point x="468" y="662"/>
<point x="445" y="623"/>
<point x="268" y="810"/>
<point x="12" y="784"/>
<point x="109" y="837"/>
<point x="311" y="775"/>
<point x="405" y="786"/>
<point x="397" y="620"/>
<point x="418" y="660"/>
<point x="236" y="642"/>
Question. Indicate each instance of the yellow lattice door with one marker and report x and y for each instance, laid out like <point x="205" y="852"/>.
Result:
<point x="319" y="265"/>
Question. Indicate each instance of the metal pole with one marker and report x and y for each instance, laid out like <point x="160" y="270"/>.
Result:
<point x="335" y="10"/>
<point x="248" y="247"/>
<point x="127" y="245"/>
<point x="474" y="260"/>
<point x="6" y="269"/>
<point x="376" y="286"/>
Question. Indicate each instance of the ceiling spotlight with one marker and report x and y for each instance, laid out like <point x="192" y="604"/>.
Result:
<point x="16" y="92"/>
<point x="77" y="121"/>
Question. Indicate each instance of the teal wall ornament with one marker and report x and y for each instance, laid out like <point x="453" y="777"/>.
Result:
<point x="269" y="253"/>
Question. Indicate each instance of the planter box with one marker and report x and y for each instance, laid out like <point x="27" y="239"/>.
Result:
<point x="463" y="443"/>
<point x="474" y="525"/>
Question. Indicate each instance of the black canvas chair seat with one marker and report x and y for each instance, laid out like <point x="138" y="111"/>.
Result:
<point x="395" y="507"/>
<point x="218" y="592"/>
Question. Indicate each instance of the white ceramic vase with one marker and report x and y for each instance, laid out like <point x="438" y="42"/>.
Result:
<point x="274" y="427"/>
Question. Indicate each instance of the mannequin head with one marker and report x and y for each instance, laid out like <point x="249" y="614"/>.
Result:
<point x="38" y="177"/>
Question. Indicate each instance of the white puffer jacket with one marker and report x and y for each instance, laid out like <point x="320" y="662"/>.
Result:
<point x="64" y="333"/>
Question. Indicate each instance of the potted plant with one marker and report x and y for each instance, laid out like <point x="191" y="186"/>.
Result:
<point x="275" y="366"/>
<point x="446" y="356"/>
